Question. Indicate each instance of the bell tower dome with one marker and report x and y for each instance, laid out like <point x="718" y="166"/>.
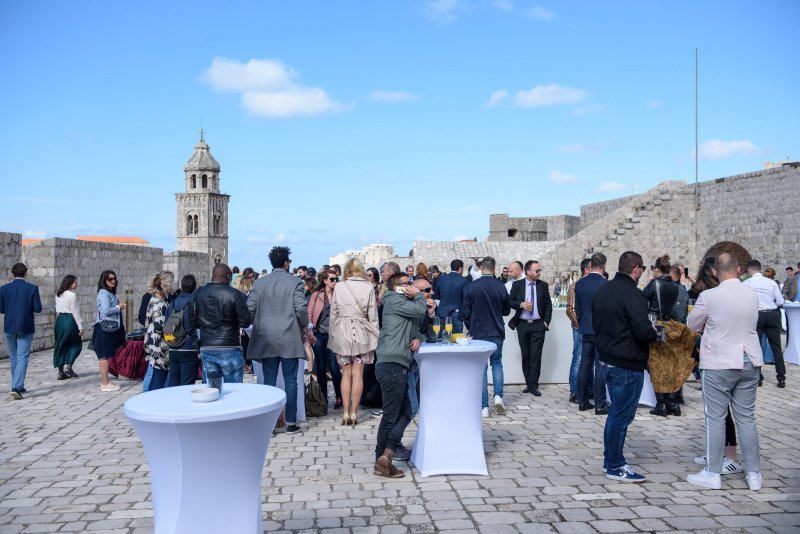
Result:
<point x="202" y="211"/>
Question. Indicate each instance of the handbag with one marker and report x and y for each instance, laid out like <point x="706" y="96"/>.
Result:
<point x="109" y="327"/>
<point x="316" y="403"/>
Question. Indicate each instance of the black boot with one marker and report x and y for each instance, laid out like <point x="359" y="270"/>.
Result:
<point x="673" y="408"/>
<point x="69" y="372"/>
<point x="679" y="396"/>
<point x="61" y="375"/>
<point x="660" y="408"/>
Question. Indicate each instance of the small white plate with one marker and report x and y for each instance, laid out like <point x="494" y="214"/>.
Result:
<point x="205" y="394"/>
<point x="463" y="340"/>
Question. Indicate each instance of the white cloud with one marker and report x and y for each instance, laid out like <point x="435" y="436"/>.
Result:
<point x="717" y="148"/>
<point x="610" y="187"/>
<point x="496" y="98"/>
<point x="572" y="148"/>
<point x="539" y="13"/>
<point x="562" y="178"/>
<point x="392" y="96"/>
<point x="442" y="10"/>
<point x="587" y="109"/>
<point x="34" y="234"/>
<point x="550" y="95"/>
<point x="654" y="104"/>
<point x="280" y="237"/>
<point x="504" y="5"/>
<point x="269" y="88"/>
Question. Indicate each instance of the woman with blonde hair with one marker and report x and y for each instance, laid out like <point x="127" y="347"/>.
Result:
<point x="353" y="334"/>
<point x="156" y="349"/>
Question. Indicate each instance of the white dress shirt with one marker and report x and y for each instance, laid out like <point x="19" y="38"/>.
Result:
<point x="727" y="316"/>
<point x="530" y="296"/>
<point x="767" y="291"/>
<point x="68" y="303"/>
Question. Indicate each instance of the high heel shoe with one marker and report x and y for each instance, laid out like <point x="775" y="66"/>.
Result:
<point x="345" y="419"/>
<point x="354" y="419"/>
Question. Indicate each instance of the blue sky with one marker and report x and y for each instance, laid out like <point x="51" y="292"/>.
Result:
<point x="343" y="123"/>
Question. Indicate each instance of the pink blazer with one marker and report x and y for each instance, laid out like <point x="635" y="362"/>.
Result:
<point x="727" y="317"/>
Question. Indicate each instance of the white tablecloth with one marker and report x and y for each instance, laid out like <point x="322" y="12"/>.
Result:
<point x="556" y="354"/>
<point x="792" y="352"/>
<point x="450" y="430"/>
<point x="206" y="459"/>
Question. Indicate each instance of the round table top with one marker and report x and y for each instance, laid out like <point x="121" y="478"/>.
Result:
<point x="175" y="405"/>
<point x="791" y="304"/>
<point x="475" y="345"/>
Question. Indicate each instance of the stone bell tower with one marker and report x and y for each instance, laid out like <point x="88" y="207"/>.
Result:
<point x="202" y="211"/>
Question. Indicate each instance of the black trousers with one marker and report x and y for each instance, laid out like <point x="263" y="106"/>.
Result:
<point x="393" y="378"/>
<point x="531" y="342"/>
<point x="769" y="323"/>
<point x="591" y="377"/>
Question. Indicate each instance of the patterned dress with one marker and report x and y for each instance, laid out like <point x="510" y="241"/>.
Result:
<point x="155" y="348"/>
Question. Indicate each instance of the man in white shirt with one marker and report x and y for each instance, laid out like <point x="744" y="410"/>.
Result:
<point x="514" y="273"/>
<point x="769" y="316"/>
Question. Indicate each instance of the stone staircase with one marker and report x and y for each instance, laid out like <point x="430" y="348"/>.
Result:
<point x="606" y="233"/>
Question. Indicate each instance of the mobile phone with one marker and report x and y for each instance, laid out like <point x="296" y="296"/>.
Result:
<point x="400" y="290"/>
<point x="686" y="272"/>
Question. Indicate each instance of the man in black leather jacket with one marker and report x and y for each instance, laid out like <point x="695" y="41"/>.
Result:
<point x="217" y="312"/>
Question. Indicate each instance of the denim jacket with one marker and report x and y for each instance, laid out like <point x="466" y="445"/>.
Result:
<point x="107" y="307"/>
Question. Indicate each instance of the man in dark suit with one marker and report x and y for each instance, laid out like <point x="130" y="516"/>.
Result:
<point x="450" y="291"/>
<point x="19" y="300"/>
<point x="585" y="290"/>
<point x="531" y="298"/>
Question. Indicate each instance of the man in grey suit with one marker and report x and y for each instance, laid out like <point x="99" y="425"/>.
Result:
<point x="279" y="312"/>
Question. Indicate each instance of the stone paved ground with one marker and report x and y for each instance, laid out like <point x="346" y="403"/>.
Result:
<point x="70" y="462"/>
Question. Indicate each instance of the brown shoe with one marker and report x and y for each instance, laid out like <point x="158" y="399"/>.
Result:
<point x="384" y="468"/>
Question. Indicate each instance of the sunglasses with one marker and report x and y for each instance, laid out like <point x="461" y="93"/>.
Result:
<point x="537" y="271"/>
<point x="110" y="279"/>
<point x="333" y="279"/>
<point x="427" y="290"/>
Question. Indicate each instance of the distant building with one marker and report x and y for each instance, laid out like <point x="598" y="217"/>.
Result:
<point x="202" y="211"/>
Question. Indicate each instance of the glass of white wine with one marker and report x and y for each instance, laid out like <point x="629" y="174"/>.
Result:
<point x="437" y="327"/>
<point x="448" y="327"/>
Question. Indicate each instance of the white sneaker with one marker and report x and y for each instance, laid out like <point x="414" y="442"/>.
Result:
<point x="109" y="387"/>
<point x="485" y="413"/>
<point x="499" y="407"/>
<point x="731" y="467"/>
<point x="754" y="481"/>
<point x="706" y="479"/>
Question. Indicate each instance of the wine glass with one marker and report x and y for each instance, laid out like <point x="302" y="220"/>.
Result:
<point x="448" y="327"/>
<point x="437" y="327"/>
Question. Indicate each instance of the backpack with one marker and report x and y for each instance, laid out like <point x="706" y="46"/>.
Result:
<point x="174" y="331"/>
<point x="316" y="403"/>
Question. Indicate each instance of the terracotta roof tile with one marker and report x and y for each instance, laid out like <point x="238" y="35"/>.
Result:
<point x="112" y="239"/>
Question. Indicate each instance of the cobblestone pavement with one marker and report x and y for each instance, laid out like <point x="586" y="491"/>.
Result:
<point x="70" y="462"/>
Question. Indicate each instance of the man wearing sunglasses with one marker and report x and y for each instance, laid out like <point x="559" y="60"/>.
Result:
<point x="531" y="298"/>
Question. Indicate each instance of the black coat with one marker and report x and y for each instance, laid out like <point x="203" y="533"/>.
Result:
<point x="622" y="330"/>
<point x="669" y="295"/>
<point x="543" y="302"/>
<point x="218" y="311"/>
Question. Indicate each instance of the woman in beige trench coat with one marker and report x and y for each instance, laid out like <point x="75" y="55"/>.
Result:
<point x="353" y="334"/>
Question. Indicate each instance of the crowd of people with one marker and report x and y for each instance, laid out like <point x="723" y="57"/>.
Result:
<point x="359" y="330"/>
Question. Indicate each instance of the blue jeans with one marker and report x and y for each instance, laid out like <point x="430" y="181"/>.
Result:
<point x="228" y="362"/>
<point x="624" y="388"/>
<point x="576" y="360"/>
<point x="154" y="379"/>
<point x="496" y="361"/>
<point x="393" y="379"/>
<point x="289" y="367"/>
<point x="19" y="351"/>
<point x="413" y="376"/>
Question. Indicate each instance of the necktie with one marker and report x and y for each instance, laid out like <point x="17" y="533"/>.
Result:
<point x="534" y="309"/>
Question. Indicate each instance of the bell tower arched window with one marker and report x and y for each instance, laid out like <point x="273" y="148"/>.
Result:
<point x="192" y="225"/>
<point x="193" y="181"/>
<point x="205" y="181"/>
<point x="217" y="224"/>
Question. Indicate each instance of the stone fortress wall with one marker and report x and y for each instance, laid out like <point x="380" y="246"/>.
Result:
<point x="753" y="213"/>
<point x="50" y="260"/>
